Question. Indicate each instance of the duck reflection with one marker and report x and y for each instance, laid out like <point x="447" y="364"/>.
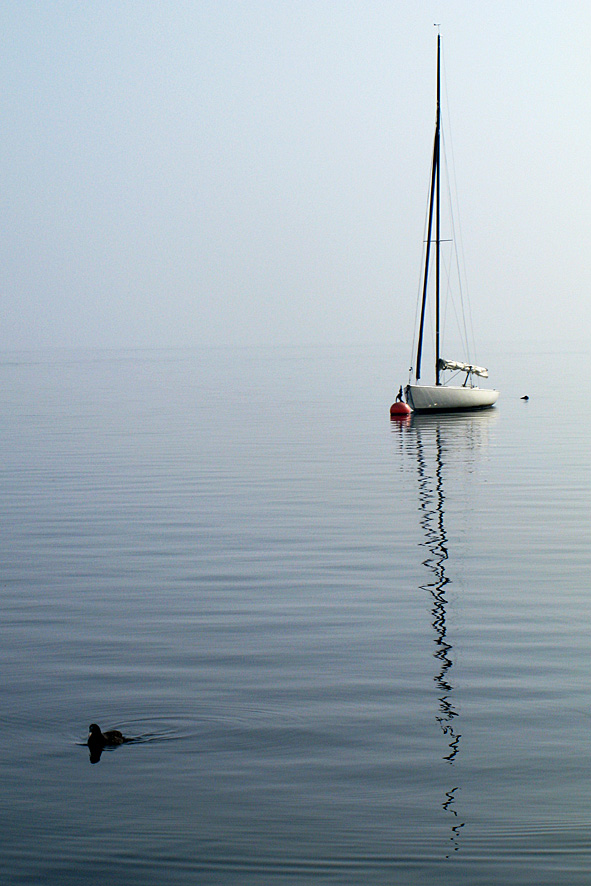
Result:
<point x="434" y="443"/>
<point x="97" y="741"/>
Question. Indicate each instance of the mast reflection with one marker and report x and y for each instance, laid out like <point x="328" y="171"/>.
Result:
<point x="431" y="506"/>
<point x="435" y="442"/>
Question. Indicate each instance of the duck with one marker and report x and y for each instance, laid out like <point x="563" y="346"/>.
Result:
<point x="98" y="739"/>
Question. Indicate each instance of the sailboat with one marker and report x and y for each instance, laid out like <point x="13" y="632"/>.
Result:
<point x="444" y="395"/>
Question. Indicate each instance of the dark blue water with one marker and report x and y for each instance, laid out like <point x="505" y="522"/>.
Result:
<point x="347" y="650"/>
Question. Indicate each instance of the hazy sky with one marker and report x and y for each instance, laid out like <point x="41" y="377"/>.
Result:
<point x="255" y="171"/>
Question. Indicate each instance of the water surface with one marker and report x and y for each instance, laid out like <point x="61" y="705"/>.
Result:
<point x="349" y="650"/>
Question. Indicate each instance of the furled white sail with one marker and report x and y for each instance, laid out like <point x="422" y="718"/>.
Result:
<point x="456" y="366"/>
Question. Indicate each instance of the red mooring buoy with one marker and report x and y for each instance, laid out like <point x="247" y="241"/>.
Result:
<point x="399" y="409"/>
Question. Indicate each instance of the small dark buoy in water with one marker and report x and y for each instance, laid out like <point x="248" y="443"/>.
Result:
<point x="525" y="397"/>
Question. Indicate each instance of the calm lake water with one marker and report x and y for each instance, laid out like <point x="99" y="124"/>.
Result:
<point x="348" y="650"/>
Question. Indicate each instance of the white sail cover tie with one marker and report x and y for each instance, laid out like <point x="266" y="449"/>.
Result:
<point x="454" y="365"/>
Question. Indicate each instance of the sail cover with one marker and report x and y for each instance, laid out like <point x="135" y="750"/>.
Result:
<point x="454" y="365"/>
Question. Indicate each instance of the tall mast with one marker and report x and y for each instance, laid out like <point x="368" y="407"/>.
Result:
<point x="434" y="190"/>
<point x="437" y="229"/>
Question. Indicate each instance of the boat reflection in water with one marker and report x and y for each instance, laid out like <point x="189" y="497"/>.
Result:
<point x="445" y="449"/>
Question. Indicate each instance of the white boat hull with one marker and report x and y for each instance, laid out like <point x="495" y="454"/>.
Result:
<point x="445" y="398"/>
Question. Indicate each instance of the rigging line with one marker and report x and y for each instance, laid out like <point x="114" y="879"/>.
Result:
<point x="460" y="249"/>
<point x="447" y="299"/>
<point x="420" y="284"/>
<point x="464" y="302"/>
<point x="450" y="300"/>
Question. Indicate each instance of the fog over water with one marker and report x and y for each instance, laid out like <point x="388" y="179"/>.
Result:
<point x="225" y="173"/>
